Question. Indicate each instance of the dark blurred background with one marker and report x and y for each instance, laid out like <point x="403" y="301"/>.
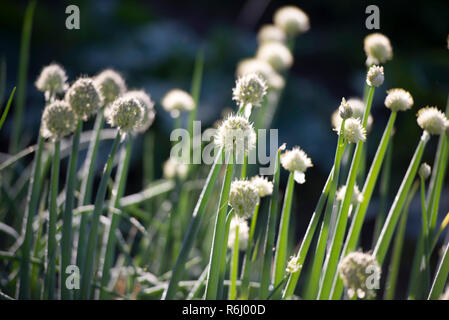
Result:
<point x="154" y="44"/>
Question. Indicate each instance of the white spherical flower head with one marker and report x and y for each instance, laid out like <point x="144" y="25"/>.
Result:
<point x="276" y="54"/>
<point x="236" y="134"/>
<point x="175" y="101"/>
<point x="263" y="68"/>
<point x="269" y="33"/>
<point x="398" y="100"/>
<point x="111" y="85"/>
<point x="125" y="113"/>
<point x="292" y="20"/>
<point x="354" y="131"/>
<point x="263" y="186"/>
<point x="358" y="109"/>
<point x="432" y="120"/>
<point x="424" y="171"/>
<point x="356" y="270"/>
<point x="243" y="198"/>
<point x="58" y="120"/>
<point x="84" y="97"/>
<point x="243" y="233"/>
<point x="377" y="48"/>
<point x="375" y="76"/>
<point x="357" y="196"/>
<point x="173" y="168"/>
<point x="250" y="89"/>
<point x="148" y="108"/>
<point x="292" y="265"/>
<point x="296" y="161"/>
<point x="52" y="79"/>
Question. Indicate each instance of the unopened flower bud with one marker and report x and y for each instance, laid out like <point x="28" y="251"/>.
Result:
<point x="345" y="110"/>
<point x="424" y="171"/>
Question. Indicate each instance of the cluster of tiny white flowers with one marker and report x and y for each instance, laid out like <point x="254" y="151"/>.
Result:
<point x="243" y="232"/>
<point x="58" y="120"/>
<point x="375" y="76"/>
<point x="263" y="186"/>
<point x="377" y="48"/>
<point x="236" y="134"/>
<point x="173" y="168"/>
<point x="276" y="54"/>
<point x="52" y="79"/>
<point x="262" y="67"/>
<point x="345" y="109"/>
<point x="354" y="272"/>
<point x="296" y="161"/>
<point x="354" y="131"/>
<point x="432" y="120"/>
<point x="269" y="33"/>
<point x="126" y="113"/>
<point x="357" y="196"/>
<point x="243" y="198"/>
<point x="358" y="110"/>
<point x="148" y="109"/>
<point x="292" y="20"/>
<point x="111" y="85"/>
<point x="292" y="265"/>
<point x="175" y="101"/>
<point x="398" y="100"/>
<point x="84" y="97"/>
<point x="250" y="89"/>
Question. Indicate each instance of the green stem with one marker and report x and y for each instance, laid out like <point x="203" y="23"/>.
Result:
<point x="50" y="275"/>
<point x="234" y="265"/>
<point x="440" y="277"/>
<point x="88" y="271"/>
<point x="66" y="240"/>
<point x="425" y="238"/>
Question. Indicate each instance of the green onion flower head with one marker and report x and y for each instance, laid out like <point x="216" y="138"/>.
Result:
<point x="243" y="232"/>
<point x="398" y="100"/>
<point x="358" y="109"/>
<point x="148" y="108"/>
<point x="236" y="134"/>
<point x="269" y="33"/>
<point x="375" y="76"/>
<point x="296" y="161"/>
<point x="377" y="48"/>
<point x="243" y="198"/>
<point x="175" y="101"/>
<point x="432" y="120"/>
<point x="254" y="65"/>
<point x="292" y="265"/>
<point x="111" y="85"/>
<point x="263" y="186"/>
<point x="354" y="131"/>
<point x="292" y="20"/>
<point x="276" y="54"/>
<point x="58" y="120"/>
<point x="345" y="109"/>
<point x="250" y="89"/>
<point x="52" y="79"/>
<point x="125" y="113"/>
<point x="84" y="97"/>
<point x="357" y="196"/>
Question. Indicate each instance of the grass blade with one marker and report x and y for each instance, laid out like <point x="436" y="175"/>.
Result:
<point x="8" y="105"/>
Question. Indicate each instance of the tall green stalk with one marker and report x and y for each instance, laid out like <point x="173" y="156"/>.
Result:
<point x="234" y="265"/>
<point x="50" y="275"/>
<point x="425" y="233"/>
<point x="440" y="277"/>
<point x="66" y="240"/>
<point x="88" y="271"/>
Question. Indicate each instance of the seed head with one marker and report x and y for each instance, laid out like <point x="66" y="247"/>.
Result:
<point x="424" y="171"/>
<point x="292" y="20"/>
<point x="148" y="108"/>
<point x="377" y="48"/>
<point x="111" y="85"/>
<point x="297" y="161"/>
<point x="84" y="97"/>
<point x="432" y="120"/>
<point x="263" y="186"/>
<point x="263" y="68"/>
<point x="398" y="100"/>
<point x="356" y="271"/>
<point x="250" y="89"/>
<point x="375" y="76"/>
<point x="125" y="113"/>
<point x="174" y="168"/>
<point x="276" y="54"/>
<point x="243" y="233"/>
<point x="175" y="101"/>
<point x="58" y="120"/>
<point x="292" y="265"/>
<point x="243" y="198"/>
<point x="236" y="134"/>
<point x="52" y="79"/>
<point x="269" y="33"/>
<point x="357" y="196"/>
<point x="354" y="131"/>
<point x="345" y="109"/>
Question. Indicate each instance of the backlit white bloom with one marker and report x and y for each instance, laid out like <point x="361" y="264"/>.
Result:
<point x="126" y="113"/>
<point x="377" y="48"/>
<point x="424" y="171"/>
<point x="236" y="134"/>
<point x="358" y="109"/>
<point x="432" y="120"/>
<point x="358" y="270"/>
<point x="297" y="161"/>
<point x="84" y="97"/>
<point x="269" y="32"/>
<point x="345" y="109"/>
<point x="354" y="131"/>
<point x="243" y="198"/>
<point x="242" y="225"/>
<point x="398" y="100"/>
<point x="148" y="107"/>
<point x="176" y="101"/>
<point x="174" y="168"/>
<point x="111" y="85"/>
<point x="292" y="265"/>
<point x="357" y="196"/>
<point x="276" y="54"/>
<point x="58" y="120"/>
<point x="262" y="67"/>
<point x="263" y="186"/>
<point x="52" y="79"/>
<point x="292" y="20"/>
<point x="249" y="89"/>
<point x="375" y="76"/>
